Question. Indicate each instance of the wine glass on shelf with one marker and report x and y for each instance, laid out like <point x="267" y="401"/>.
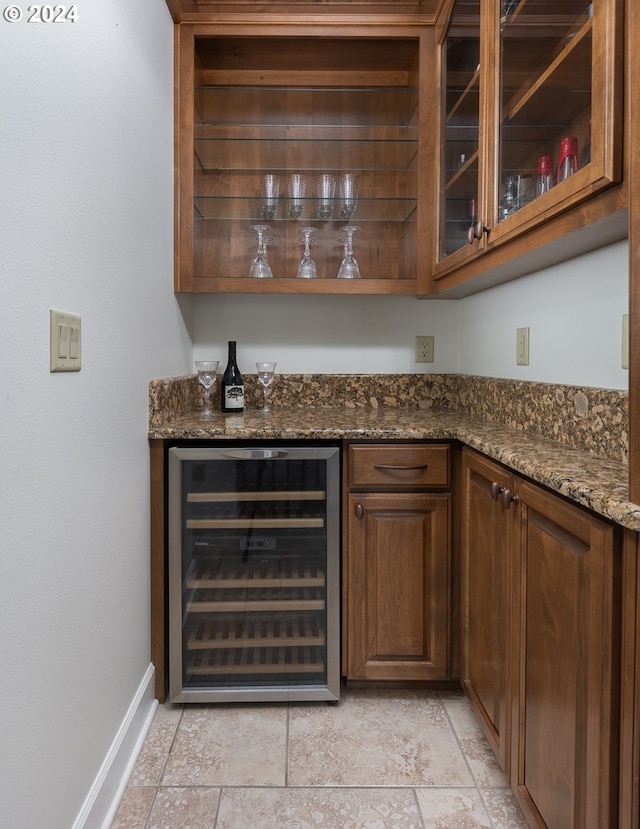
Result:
<point x="349" y="268"/>
<point x="260" y="268"/>
<point x="307" y="267"/>
<point x="266" y="373"/>
<point x="207" y="377"/>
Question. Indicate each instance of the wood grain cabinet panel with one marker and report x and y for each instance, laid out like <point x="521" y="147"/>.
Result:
<point x="487" y="533"/>
<point x="566" y="656"/>
<point x="541" y="621"/>
<point x="397" y="561"/>
<point x="398" y="575"/>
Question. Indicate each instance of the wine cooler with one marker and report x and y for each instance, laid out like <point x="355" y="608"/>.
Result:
<point x="254" y="563"/>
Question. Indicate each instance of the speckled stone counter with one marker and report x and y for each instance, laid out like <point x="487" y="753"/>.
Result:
<point x="596" y="482"/>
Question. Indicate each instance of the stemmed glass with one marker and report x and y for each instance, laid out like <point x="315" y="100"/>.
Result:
<point x="260" y="268"/>
<point x="348" y="267"/>
<point x="307" y="267"/>
<point x="207" y="377"/>
<point x="266" y="373"/>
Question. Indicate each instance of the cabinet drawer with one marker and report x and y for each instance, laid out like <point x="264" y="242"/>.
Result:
<point x="399" y="466"/>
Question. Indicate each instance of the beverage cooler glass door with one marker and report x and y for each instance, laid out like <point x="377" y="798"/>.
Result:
<point x="254" y="562"/>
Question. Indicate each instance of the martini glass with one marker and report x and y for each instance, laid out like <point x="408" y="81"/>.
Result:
<point x="307" y="267"/>
<point x="349" y="267"/>
<point x="266" y="373"/>
<point x="260" y="268"/>
<point x="206" y="377"/>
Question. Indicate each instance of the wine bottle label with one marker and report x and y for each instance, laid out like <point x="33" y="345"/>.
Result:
<point x="233" y="397"/>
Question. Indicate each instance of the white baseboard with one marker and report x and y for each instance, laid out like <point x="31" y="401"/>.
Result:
<point x="101" y="804"/>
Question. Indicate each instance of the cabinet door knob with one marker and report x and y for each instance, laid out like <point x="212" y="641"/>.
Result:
<point x="359" y="510"/>
<point x="508" y="498"/>
<point x="476" y="231"/>
<point x="496" y="490"/>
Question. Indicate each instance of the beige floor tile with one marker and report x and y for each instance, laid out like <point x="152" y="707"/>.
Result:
<point x="503" y="809"/>
<point x="480" y="757"/>
<point x="177" y="808"/>
<point x="312" y="808"/>
<point x="452" y="809"/>
<point x="152" y="758"/>
<point x="375" y="738"/>
<point x="229" y="746"/>
<point x="134" y="808"/>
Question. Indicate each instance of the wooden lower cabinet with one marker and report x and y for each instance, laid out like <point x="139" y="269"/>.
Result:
<point x="397" y="565"/>
<point x="541" y="644"/>
<point x="566" y="590"/>
<point x="487" y="533"/>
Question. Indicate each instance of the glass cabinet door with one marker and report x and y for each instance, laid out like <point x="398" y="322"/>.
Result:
<point x="530" y="118"/>
<point x="460" y="149"/>
<point x="545" y="102"/>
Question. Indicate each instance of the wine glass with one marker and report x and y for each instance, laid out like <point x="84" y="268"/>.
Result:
<point x="260" y="268"/>
<point x="349" y="267"/>
<point x="206" y="377"/>
<point x="266" y="373"/>
<point x="307" y="267"/>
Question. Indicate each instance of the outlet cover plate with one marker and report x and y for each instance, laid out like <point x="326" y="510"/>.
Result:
<point x="425" y="348"/>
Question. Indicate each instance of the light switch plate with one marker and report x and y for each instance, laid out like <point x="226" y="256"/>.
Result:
<point x="65" y="341"/>
<point x="522" y="346"/>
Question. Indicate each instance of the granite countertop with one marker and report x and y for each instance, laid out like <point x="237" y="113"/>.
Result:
<point x="597" y="483"/>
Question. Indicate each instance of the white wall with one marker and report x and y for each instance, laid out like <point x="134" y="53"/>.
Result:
<point x="574" y="312"/>
<point x="87" y="223"/>
<point x="326" y="334"/>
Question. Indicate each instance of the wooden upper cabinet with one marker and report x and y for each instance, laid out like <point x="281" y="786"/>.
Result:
<point x="206" y="10"/>
<point x="519" y="77"/>
<point x="308" y="100"/>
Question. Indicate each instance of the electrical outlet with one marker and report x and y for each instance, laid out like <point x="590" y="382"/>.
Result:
<point x="522" y="346"/>
<point x="425" y="348"/>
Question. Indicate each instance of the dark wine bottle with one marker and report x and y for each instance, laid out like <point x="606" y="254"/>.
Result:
<point x="232" y="390"/>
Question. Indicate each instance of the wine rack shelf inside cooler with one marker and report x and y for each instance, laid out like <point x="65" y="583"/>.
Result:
<point x="254" y="559"/>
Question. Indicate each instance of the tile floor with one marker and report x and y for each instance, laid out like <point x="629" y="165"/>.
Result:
<point x="379" y="759"/>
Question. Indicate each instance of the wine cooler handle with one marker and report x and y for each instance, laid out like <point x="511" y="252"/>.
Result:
<point x="399" y="466"/>
<point x="359" y="510"/>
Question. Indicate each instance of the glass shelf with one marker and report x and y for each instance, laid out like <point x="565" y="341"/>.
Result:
<point x="250" y="208"/>
<point x="304" y="106"/>
<point x="312" y="153"/>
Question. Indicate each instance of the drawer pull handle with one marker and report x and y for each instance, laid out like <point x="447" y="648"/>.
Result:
<point x="359" y="510"/>
<point x="399" y="467"/>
